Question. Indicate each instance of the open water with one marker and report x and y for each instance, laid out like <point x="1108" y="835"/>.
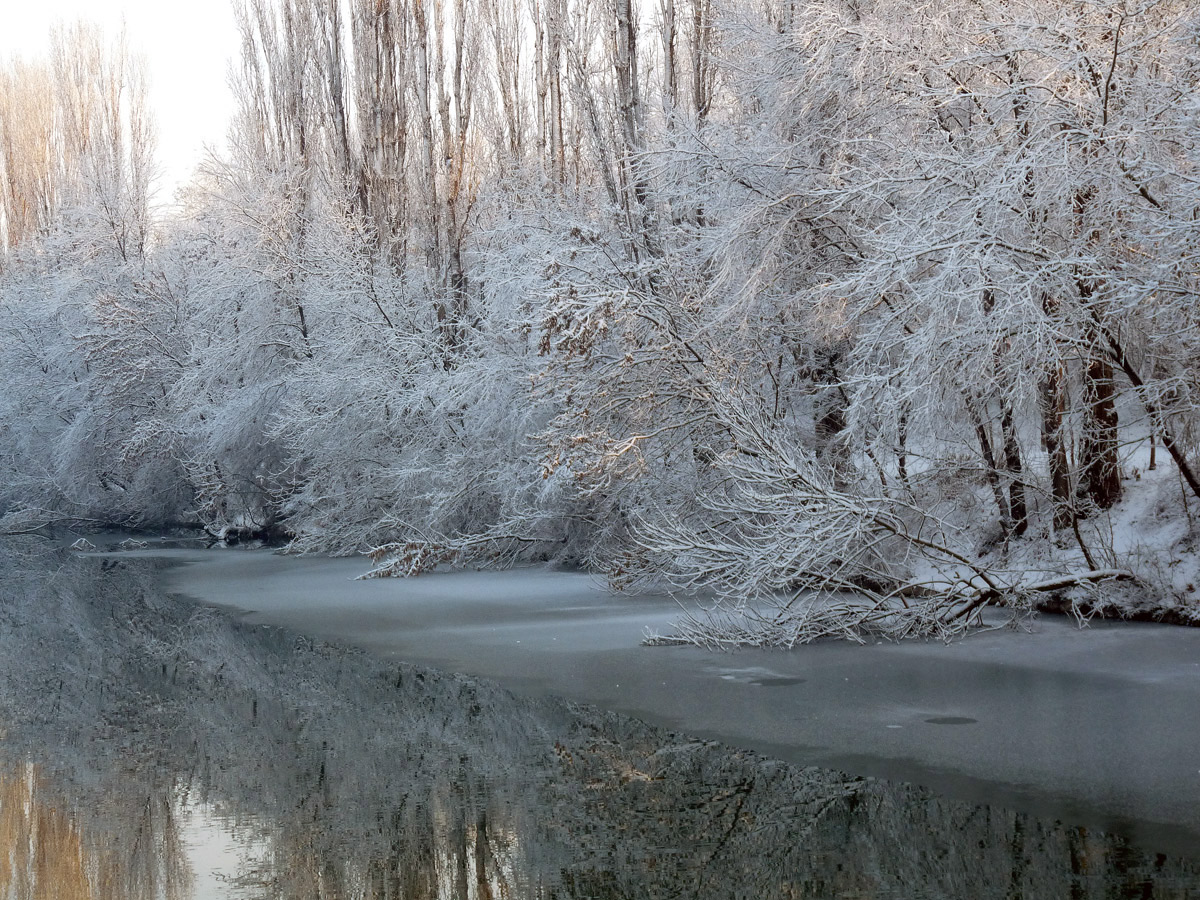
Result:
<point x="153" y="747"/>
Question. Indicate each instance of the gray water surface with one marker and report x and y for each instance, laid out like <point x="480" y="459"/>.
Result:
<point x="1098" y="724"/>
<point x="152" y="747"/>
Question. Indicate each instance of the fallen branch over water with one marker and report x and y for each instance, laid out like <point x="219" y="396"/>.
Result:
<point x="944" y="612"/>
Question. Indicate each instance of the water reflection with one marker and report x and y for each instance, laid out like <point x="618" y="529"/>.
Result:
<point x="53" y="850"/>
<point x="156" y="750"/>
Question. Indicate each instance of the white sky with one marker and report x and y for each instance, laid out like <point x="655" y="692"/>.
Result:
<point x="187" y="47"/>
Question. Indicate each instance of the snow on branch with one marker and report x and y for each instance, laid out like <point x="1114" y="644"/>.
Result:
<point x="794" y="556"/>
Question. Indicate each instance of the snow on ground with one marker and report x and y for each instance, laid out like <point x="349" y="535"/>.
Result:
<point x="1152" y="533"/>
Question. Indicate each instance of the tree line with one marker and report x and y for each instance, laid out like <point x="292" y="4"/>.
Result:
<point x="865" y="300"/>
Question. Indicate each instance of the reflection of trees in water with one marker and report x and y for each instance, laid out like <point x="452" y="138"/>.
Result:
<point x="356" y="778"/>
<point x="708" y="821"/>
<point x="407" y="785"/>
<point x="449" y="857"/>
<point x="48" y="852"/>
<point x="44" y="853"/>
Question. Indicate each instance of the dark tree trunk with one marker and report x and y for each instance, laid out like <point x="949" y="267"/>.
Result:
<point x="1157" y="418"/>
<point x="1099" y="464"/>
<point x="1100" y="472"/>
<point x="1012" y="465"/>
<point x="1052" y="402"/>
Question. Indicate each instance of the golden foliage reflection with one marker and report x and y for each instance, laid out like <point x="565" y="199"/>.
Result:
<point x="45" y="854"/>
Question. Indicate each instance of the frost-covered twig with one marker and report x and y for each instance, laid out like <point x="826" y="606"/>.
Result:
<point x="793" y="556"/>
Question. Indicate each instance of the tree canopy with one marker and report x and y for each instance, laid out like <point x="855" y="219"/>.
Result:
<point x="855" y="314"/>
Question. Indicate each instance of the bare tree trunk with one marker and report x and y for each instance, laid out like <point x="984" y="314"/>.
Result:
<point x="541" y="80"/>
<point x="1157" y="418"/>
<point x="1053" y="403"/>
<point x="701" y="53"/>
<point x="1100" y="474"/>
<point x="428" y="173"/>
<point x="991" y="470"/>
<point x="334" y="52"/>
<point x="1012" y="465"/>
<point x="382" y="73"/>
<point x="629" y="103"/>
<point x="454" y="139"/>
<point x="504" y="22"/>
<point x="626" y="68"/>
<point x="1016" y="521"/>
<point x="669" y="65"/>
<point x="554" y="60"/>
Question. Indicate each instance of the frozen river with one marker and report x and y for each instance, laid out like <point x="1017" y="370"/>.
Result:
<point x="173" y="728"/>
<point x="1098" y="725"/>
